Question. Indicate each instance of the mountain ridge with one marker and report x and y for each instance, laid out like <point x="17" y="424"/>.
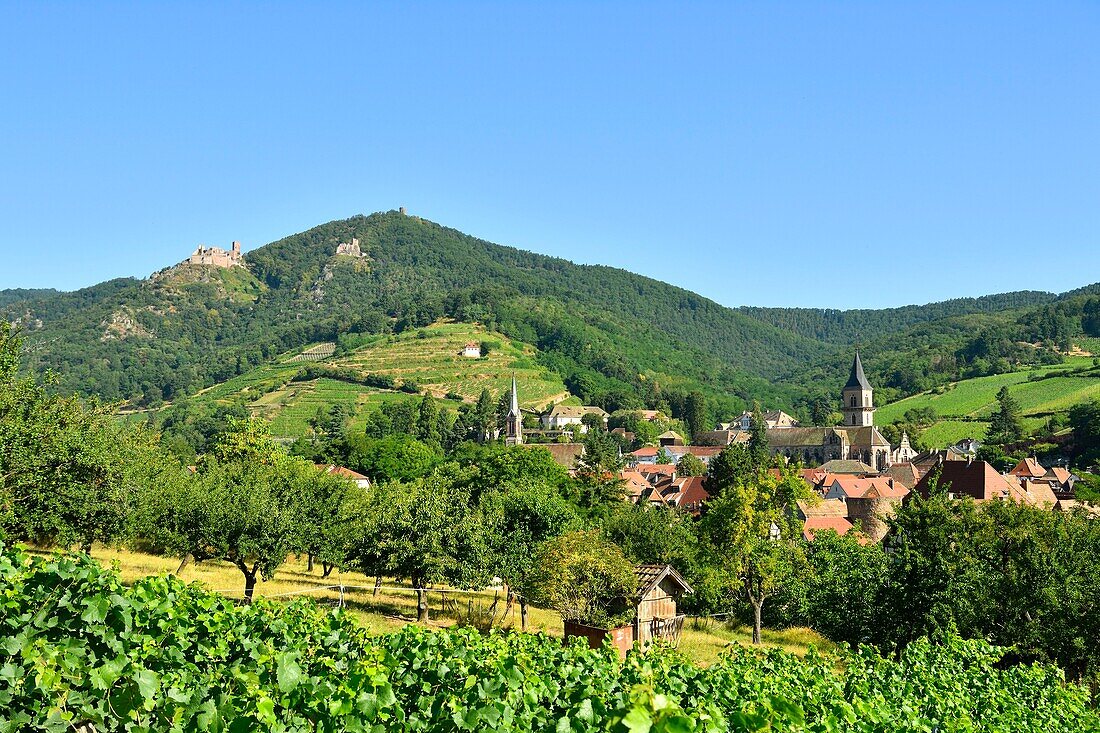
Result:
<point x="613" y="335"/>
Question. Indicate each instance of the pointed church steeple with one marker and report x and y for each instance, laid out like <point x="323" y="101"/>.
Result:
<point x="513" y="422"/>
<point x="857" y="380"/>
<point x="858" y="404"/>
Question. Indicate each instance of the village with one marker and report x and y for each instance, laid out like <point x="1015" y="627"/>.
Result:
<point x="858" y="476"/>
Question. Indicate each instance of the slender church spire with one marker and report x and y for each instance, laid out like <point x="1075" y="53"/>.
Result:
<point x="513" y="422"/>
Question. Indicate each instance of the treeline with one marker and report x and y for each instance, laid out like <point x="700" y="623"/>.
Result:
<point x="855" y="326"/>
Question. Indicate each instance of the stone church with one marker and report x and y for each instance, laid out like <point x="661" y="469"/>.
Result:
<point x="857" y="439"/>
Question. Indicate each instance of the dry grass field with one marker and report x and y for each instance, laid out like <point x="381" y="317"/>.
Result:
<point x="395" y="605"/>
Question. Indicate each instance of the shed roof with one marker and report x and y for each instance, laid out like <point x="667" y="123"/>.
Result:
<point x="649" y="576"/>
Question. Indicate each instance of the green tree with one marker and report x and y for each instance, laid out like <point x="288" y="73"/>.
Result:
<point x="1084" y="421"/>
<point x="1005" y="426"/>
<point x="247" y="504"/>
<point x="70" y="472"/>
<point x="934" y="568"/>
<point x="758" y="436"/>
<point x="393" y="458"/>
<point x="842" y="587"/>
<point x="697" y="414"/>
<point x="652" y="534"/>
<point x="484" y="418"/>
<point x="592" y="421"/>
<point x="751" y="541"/>
<point x="497" y="466"/>
<point x="322" y="499"/>
<point x="734" y="465"/>
<point x="518" y="520"/>
<point x="586" y="579"/>
<point x="691" y="465"/>
<point x="428" y="428"/>
<point x="431" y="536"/>
<point x="598" y="469"/>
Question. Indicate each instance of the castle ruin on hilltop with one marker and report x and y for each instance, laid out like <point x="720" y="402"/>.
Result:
<point x="350" y="249"/>
<point x="216" y="256"/>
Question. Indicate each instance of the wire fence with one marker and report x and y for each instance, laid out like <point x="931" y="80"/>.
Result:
<point x="483" y="609"/>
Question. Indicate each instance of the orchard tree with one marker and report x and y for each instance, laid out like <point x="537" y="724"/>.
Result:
<point x="432" y="536"/>
<point x="497" y="466"/>
<point x="934" y="567"/>
<point x="518" y="520"/>
<point x="248" y="504"/>
<point x="751" y="541"/>
<point x="843" y="586"/>
<point x="653" y="534"/>
<point x="322" y="498"/>
<point x="586" y="579"/>
<point x="70" y="471"/>
<point x="393" y="458"/>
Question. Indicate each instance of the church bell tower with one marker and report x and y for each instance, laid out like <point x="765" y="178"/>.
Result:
<point x="858" y="397"/>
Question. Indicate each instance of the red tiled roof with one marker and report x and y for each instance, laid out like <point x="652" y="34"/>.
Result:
<point x="905" y="474"/>
<point x="341" y="471"/>
<point x="822" y="508"/>
<point x="853" y="487"/>
<point x="662" y="468"/>
<point x="1061" y="475"/>
<point x="978" y="480"/>
<point x="1039" y="493"/>
<point x="692" y="493"/>
<point x="645" y="451"/>
<point x="1028" y="468"/>
<point x="813" y="525"/>
<point x="701" y="451"/>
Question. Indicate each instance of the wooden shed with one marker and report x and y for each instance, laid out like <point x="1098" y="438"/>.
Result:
<point x="659" y="588"/>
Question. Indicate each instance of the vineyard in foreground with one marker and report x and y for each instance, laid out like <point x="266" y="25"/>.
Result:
<point x="79" y="647"/>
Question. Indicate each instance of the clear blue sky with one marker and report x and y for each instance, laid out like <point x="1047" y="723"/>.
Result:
<point x="829" y="154"/>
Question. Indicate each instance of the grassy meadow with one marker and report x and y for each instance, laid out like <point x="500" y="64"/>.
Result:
<point x="395" y="606"/>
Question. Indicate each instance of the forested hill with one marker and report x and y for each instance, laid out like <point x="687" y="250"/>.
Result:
<point x="607" y="332"/>
<point x="614" y="338"/>
<point x="864" y="325"/>
<point x="17" y="294"/>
